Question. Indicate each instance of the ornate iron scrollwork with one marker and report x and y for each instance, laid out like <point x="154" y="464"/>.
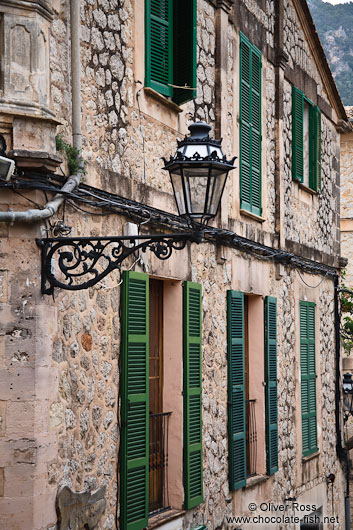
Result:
<point x="75" y="263"/>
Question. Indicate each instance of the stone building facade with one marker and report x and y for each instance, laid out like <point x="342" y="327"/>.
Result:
<point x="61" y="363"/>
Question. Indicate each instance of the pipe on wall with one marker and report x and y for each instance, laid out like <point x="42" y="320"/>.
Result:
<point x="51" y="207"/>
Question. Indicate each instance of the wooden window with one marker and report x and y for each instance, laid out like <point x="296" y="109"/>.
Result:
<point x="271" y="384"/>
<point x="306" y="141"/>
<point x="192" y="392"/>
<point x="246" y="416"/>
<point x="236" y="390"/>
<point x="308" y="377"/>
<point x="135" y="398"/>
<point x="170" y="50"/>
<point x="250" y="127"/>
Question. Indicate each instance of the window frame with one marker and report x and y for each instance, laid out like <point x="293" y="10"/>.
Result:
<point x="181" y="62"/>
<point x="315" y="141"/>
<point x="247" y="194"/>
<point x="311" y="375"/>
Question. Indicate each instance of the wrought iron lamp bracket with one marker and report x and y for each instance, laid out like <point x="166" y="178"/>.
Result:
<point x="76" y="263"/>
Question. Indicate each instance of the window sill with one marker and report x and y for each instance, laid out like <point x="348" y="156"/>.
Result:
<point x="254" y="481"/>
<point x="253" y="216"/>
<point x="162" y="99"/>
<point x="164" y="517"/>
<point x="310" y="457"/>
<point x="305" y="188"/>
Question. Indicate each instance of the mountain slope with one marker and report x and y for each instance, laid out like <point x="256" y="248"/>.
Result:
<point x="334" y="24"/>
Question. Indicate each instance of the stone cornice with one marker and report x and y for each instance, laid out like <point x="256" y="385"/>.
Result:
<point x="41" y="7"/>
<point x="226" y="5"/>
<point x="318" y="53"/>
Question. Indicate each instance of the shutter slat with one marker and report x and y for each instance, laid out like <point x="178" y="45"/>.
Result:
<point x="192" y="392"/>
<point x="250" y="127"/>
<point x="317" y="149"/>
<point x="308" y="378"/>
<point x="159" y="45"/>
<point x="271" y="384"/>
<point x="236" y="390"/>
<point x="134" y="433"/>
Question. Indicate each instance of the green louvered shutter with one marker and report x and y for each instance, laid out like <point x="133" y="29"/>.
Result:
<point x="185" y="35"/>
<point x="297" y="135"/>
<point x="134" y="402"/>
<point x="317" y="149"/>
<point x="250" y="127"/>
<point x="271" y="384"/>
<point x="159" y="45"/>
<point x="308" y="377"/>
<point x="192" y="393"/>
<point x="236" y="390"/>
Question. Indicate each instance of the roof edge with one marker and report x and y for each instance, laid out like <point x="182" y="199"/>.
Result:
<point x="317" y="50"/>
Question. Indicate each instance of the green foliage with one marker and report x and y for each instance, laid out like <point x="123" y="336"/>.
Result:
<point x="334" y="25"/>
<point x="73" y="155"/>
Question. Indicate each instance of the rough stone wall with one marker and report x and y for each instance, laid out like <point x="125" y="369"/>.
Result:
<point x="266" y="16"/>
<point x="346" y="176"/>
<point x="85" y="414"/>
<point x="60" y="66"/>
<point x="297" y="47"/>
<point x="269" y="141"/>
<point x="286" y="476"/>
<point x="327" y="349"/>
<point x="204" y="104"/>
<point x="107" y="64"/>
<point x="314" y="226"/>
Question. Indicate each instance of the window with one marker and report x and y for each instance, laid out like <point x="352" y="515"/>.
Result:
<point x="306" y="141"/>
<point x="308" y="377"/>
<point x="252" y="413"/>
<point x="159" y="387"/>
<point x="250" y="127"/>
<point x="170" y="49"/>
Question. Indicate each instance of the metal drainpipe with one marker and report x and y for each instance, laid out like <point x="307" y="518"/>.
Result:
<point x="342" y="452"/>
<point x="51" y="207"/>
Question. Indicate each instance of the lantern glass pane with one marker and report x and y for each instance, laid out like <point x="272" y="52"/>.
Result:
<point x="192" y="149"/>
<point x="175" y="175"/>
<point x="217" y="180"/>
<point x="196" y="180"/>
<point x="218" y="151"/>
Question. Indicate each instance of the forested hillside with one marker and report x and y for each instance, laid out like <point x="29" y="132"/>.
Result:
<point x="334" y="24"/>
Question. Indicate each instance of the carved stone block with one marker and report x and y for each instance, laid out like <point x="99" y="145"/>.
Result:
<point x="79" y="511"/>
<point x="24" y="85"/>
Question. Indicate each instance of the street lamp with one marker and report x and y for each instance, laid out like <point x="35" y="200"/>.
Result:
<point x="347" y="391"/>
<point x="198" y="172"/>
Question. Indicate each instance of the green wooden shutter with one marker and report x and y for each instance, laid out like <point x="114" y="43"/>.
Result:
<point x="185" y="37"/>
<point x="236" y="390"/>
<point x="308" y="377"/>
<point x="159" y="45"/>
<point x="271" y="384"/>
<point x="250" y="126"/>
<point x="297" y="135"/>
<point x="317" y="149"/>
<point x="134" y="403"/>
<point x="192" y="392"/>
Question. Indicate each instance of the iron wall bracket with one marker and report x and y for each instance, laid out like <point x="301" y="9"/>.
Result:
<point x="76" y="263"/>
